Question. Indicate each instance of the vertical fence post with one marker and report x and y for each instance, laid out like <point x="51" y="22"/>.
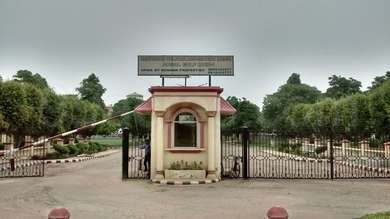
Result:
<point x="125" y="153"/>
<point x="245" y="160"/>
<point x="331" y="158"/>
<point x="43" y="157"/>
<point x="222" y="147"/>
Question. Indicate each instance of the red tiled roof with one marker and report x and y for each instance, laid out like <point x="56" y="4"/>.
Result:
<point x="145" y="107"/>
<point x="226" y="107"/>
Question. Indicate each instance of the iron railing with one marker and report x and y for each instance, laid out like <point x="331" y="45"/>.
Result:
<point x="267" y="155"/>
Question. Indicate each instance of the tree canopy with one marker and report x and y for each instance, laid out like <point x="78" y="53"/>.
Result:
<point x="358" y="115"/>
<point x="28" y="77"/>
<point x="92" y="90"/>
<point x="137" y="124"/>
<point x="294" y="78"/>
<point x="248" y="114"/>
<point x="28" y="108"/>
<point x="277" y="105"/>
<point x="341" y="87"/>
<point x="379" y="80"/>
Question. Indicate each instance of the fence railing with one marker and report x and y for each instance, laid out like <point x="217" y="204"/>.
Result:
<point x="274" y="156"/>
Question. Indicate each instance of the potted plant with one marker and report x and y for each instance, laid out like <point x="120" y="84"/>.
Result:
<point x="185" y="170"/>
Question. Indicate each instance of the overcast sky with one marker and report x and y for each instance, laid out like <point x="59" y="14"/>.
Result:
<point x="66" y="40"/>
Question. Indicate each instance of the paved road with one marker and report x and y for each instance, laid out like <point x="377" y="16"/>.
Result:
<point x="94" y="189"/>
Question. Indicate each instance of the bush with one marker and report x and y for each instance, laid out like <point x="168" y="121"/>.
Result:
<point x="2" y="147"/>
<point x="61" y="149"/>
<point x="77" y="149"/>
<point x="73" y="149"/>
<point x="321" y="149"/>
<point x="375" y="143"/>
<point x="284" y="147"/>
<point x="296" y="149"/>
<point x="54" y="155"/>
<point x="290" y="148"/>
<point x="184" y="165"/>
<point x="82" y="148"/>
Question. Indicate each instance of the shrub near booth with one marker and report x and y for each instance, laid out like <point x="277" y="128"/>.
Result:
<point x="66" y="151"/>
<point x="185" y="170"/>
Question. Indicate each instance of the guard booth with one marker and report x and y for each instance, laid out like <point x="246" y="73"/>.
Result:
<point x="185" y="130"/>
<point x="185" y="120"/>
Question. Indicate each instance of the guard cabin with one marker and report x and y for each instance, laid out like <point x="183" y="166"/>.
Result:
<point x="185" y="127"/>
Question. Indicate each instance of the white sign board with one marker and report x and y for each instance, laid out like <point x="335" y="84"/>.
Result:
<point x="185" y="65"/>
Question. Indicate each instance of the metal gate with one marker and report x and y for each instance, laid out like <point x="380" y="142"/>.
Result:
<point x="272" y="156"/>
<point x="26" y="162"/>
<point x="133" y="157"/>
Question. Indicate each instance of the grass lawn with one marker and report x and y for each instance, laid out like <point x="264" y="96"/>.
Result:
<point x="382" y="215"/>
<point x="111" y="141"/>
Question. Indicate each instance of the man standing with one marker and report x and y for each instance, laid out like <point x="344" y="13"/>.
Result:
<point x="147" y="148"/>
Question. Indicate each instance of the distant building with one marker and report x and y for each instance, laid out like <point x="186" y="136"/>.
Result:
<point x="135" y="95"/>
<point x="109" y="109"/>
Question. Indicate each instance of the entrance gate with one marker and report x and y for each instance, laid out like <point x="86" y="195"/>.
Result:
<point x="262" y="155"/>
<point x="132" y="156"/>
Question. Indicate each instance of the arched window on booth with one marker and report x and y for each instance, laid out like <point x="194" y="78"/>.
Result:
<point x="185" y="130"/>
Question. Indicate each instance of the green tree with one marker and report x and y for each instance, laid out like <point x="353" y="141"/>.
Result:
<point x="378" y="81"/>
<point x="79" y="114"/>
<point x="53" y="111"/>
<point x="3" y="123"/>
<point x="69" y="105"/>
<point x="34" y="100"/>
<point x="28" y="77"/>
<point x="341" y="87"/>
<point x="347" y="117"/>
<point x="17" y="109"/>
<point x="93" y="113"/>
<point x="379" y="104"/>
<point x="92" y="90"/>
<point x="360" y="116"/>
<point x="298" y="119"/>
<point x="108" y="128"/>
<point x="277" y="105"/>
<point x="137" y="124"/>
<point x="294" y="78"/>
<point x="322" y="117"/>
<point x="248" y="114"/>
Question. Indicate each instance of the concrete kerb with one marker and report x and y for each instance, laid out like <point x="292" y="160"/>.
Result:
<point x="80" y="159"/>
<point x="185" y="182"/>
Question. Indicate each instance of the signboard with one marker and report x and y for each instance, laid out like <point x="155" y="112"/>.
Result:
<point x="185" y="65"/>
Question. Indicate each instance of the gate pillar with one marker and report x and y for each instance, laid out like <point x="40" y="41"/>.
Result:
<point x="364" y="146"/>
<point x="211" y="150"/>
<point x="328" y="145"/>
<point x="245" y="160"/>
<point x="125" y="153"/>
<point x="159" y="148"/>
<point x="344" y="146"/>
<point x="387" y="149"/>
<point x="317" y="142"/>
